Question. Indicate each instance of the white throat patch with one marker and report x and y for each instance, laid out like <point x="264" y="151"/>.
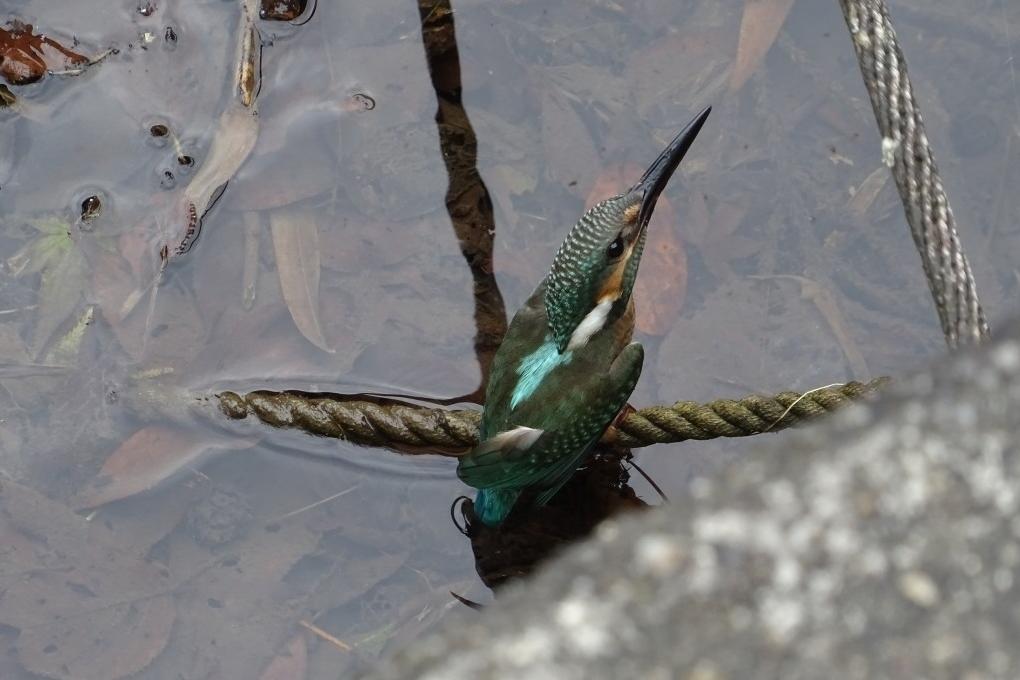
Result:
<point x="590" y="324"/>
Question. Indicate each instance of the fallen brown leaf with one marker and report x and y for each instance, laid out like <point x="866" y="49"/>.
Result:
<point x="759" y="28"/>
<point x="149" y="457"/>
<point x="661" y="289"/>
<point x="113" y="283"/>
<point x="661" y="285"/>
<point x="84" y="608"/>
<point x="25" y="57"/>
<point x="281" y="10"/>
<point x="241" y="603"/>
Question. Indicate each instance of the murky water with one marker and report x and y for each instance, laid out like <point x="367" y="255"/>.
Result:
<point x="331" y="262"/>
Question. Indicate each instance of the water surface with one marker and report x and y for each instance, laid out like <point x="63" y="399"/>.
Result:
<point x="779" y="260"/>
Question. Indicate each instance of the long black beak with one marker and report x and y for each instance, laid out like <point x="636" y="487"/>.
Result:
<point x="657" y="175"/>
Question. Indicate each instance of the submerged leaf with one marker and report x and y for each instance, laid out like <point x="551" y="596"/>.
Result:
<point x="759" y="28"/>
<point x="59" y="259"/>
<point x="296" y="243"/>
<point x="83" y="607"/>
<point x="660" y="293"/>
<point x="661" y="286"/>
<point x="114" y="643"/>
<point x="149" y="457"/>
<point x="232" y="141"/>
<point x="59" y="294"/>
<point x="282" y="10"/>
<point x="290" y="664"/>
<point x="54" y="241"/>
<point x="114" y="285"/>
<point x="25" y="57"/>
<point x="65" y="350"/>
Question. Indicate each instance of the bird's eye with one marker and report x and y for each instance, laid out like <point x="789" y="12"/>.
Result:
<point x="615" y="248"/>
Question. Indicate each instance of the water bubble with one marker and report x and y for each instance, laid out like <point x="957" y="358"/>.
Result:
<point x="158" y="133"/>
<point x="89" y="203"/>
<point x="91" y="207"/>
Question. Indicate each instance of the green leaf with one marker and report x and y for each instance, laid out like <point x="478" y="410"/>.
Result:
<point x="39" y="254"/>
<point x="59" y="259"/>
<point x="65" y="350"/>
<point x="55" y="226"/>
<point x="59" y="294"/>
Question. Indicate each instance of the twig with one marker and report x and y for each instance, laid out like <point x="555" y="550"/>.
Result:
<point x="91" y="62"/>
<point x="796" y="401"/>
<point x="325" y="636"/>
<point x="317" y="503"/>
<point x="648" y="479"/>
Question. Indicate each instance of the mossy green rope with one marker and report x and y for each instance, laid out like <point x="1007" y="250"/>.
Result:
<point x="409" y="427"/>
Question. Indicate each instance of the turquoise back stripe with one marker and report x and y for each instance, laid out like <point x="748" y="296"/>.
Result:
<point x="535" y="367"/>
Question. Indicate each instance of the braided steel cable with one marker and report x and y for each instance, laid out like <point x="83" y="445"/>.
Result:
<point x="905" y="149"/>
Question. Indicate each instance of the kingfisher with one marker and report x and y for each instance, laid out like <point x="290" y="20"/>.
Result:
<point x="567" y="366"/>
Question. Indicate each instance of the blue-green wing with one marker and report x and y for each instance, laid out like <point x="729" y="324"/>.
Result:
<point x="553" y="455"/>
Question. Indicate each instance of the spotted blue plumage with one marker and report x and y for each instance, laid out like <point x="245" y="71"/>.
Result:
<point x="567" y="365"/>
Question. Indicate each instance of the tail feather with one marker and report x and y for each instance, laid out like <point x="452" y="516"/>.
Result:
<point x="493" y="505"/>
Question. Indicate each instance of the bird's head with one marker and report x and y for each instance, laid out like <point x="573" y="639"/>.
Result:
<point x="594" y="270"/>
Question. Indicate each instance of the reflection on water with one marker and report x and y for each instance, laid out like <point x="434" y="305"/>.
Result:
<point x="530" y="535"/>
<point x="341" y="257"/>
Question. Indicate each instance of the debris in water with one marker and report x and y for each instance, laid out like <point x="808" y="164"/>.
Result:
<point x="26" y="57"/>
<point x="282" y="10"/>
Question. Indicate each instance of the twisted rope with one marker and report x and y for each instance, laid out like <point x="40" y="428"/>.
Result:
<point x="743" y="417"/>
<point x="362" y="422"/>
<point x="906" y="151"/>
<point x="453" y="432"/>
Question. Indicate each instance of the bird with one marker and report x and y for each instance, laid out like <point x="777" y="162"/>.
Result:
<point x="566" y="365"/>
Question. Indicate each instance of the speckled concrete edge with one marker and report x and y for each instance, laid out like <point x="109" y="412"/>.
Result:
<point x="882" y="544"/>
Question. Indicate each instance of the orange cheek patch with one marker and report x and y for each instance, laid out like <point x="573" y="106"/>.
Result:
<point x="614" y="280"/>
<point x="631" y="213"/>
